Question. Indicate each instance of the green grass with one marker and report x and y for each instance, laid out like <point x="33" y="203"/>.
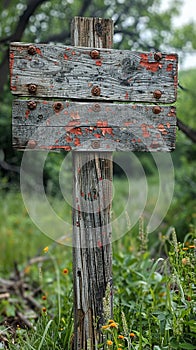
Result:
<point x="154" y="282"/>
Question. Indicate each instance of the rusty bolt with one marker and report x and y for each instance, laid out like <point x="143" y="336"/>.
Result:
<point x="96" y="107"/>
<point x="156" y="109"/>
<point x="96" y="91"/>
<point x="158" y="56"/>
<point x="31" y="50"/>
<point x="95" y="54"/>
<point x="31" y="144"/>
<point x="157" y="94"/>
<point x="95" y="144"/>
<point x="58" y="106"/>
<point x="31" y="105"/>
<point x="32" y="88"/>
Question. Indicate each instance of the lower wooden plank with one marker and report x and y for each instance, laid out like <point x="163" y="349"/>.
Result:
<point x="88" y="126"/>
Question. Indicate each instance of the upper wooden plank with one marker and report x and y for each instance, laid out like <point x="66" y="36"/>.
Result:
<point x="85" y="73"/>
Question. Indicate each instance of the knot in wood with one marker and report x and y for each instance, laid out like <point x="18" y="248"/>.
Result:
<point x="156" y="109"/>
<point x="31" y="50"/>
<point x="31" y="105"/>
<point x="99" y="29"/>
<point x="32" y="88"/>
<point x="96" y="91"/>
<point x="157" y="94"/>
<point x="158" y="56"/>
<point x="58" y="106"/>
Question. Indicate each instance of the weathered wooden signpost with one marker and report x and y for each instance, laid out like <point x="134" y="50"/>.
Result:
<point x="73" y="104"/>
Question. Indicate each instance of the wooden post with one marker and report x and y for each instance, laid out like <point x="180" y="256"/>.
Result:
<point x="92" y="195"/>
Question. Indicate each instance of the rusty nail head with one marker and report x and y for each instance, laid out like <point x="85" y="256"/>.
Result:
<point x="31" y="144"/>
<point x="95" y="144"/>
<point x="31" y="50"/>
<point x="157" y="94"/>
<point x="158" y="56"/>
<point x="95" y="54"/>
<point x="96" y="107"/>
<point x="58" y="106"/>
<point x="31" y="105"/>
<point x="156" y="109"/>
<point x="32" y="88"/>
<point x="96" y="91"/>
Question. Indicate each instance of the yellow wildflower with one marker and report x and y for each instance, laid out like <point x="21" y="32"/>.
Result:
<point x="44" y="309"/>
<point x="109" y="342"/>
<point x="132" y="335"/>
<point x="45" y="250"/>
<point x="121" y="336"/>
<point x="113" y="325"/>
<point x="65" y="271"/>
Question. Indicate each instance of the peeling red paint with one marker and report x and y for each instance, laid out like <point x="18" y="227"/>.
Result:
<point x="98" y="136"/>
<point x="101" y="123"/>
<point x="38" y="51"/>
<point x="65" y="57"/>
<point x="77" y="141"/>
<point x="152" y="66"/>
<point x="107" y="131"/>
<point x="27" y="113"/>
<point x="127" y="95"/>
<point x="70" y="127"/>
<point x="169" y="67"/>
<point x="11" y="65"/>
<point x="98" y="63"/>
<point x="171" y="57"/>
<point x="68" y="139"/>
<point x="168" y="125"/>
<point x="162" y="129"/>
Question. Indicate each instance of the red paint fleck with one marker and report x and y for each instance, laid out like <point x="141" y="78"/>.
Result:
<point x="98" y="63"/>
<point x="77" y="141"/>
<point x="70" y="127"/>
<point x="13" y="88"/>
<point x="68" y="139"/>
<point x="144" y="56"/>
<point x="38" y="51"/>
<point x="100" y="179"/>
<point x="98" y="136"/>
<point x="101" y="123"/>
<point x="66" y="57"/>
<point x="45" y="102"/>
<point x="99" y="244"/>
<point x="171" y="57"/>
<point x="162" y="129"/>
<point x="27" y="113"/>
<point x="169" y="67"/>
<point x="107" y="131"/>
<point x="168" y="125"/>
<point x="73" y="53"/>
<point x="127" y="95"/>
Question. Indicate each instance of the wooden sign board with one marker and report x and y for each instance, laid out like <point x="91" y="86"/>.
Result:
<point x="83" y="78"/>
<point x="84" y="73"/>
<point x="89" y="126"/>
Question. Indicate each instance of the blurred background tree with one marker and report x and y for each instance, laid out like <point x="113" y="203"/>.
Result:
<point x="139" y="25"/>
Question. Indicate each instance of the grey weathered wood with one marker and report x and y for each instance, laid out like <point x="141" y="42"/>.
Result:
<point x="71" y="72"/>
<point x="92" y="196"/>
<point x="84" y="126"/>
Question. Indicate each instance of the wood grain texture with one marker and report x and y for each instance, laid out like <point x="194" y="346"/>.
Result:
<point x="90" y="126"/>
<point x="92" y="197"/>
<point x="71" y="72"/>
